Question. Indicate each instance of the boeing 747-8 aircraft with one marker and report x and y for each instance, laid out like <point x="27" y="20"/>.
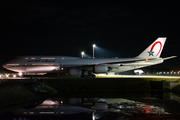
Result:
<point x="80" y="66"/>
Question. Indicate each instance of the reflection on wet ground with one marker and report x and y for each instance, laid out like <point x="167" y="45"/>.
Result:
<point x="81" y="107"/>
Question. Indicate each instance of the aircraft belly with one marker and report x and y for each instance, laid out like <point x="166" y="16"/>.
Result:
<point x="33" y="68"/>
<point x="41" y="68"/>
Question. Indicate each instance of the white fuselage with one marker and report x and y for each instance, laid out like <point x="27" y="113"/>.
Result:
<point x="75" y="65"/>
<point x="29" y="64"/>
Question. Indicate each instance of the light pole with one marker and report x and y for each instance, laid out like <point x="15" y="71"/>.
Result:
<point x="82" y="53"/>
<point x="93" y="49"/>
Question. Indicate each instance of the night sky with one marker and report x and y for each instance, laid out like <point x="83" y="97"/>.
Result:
<point x="120" y="29"/>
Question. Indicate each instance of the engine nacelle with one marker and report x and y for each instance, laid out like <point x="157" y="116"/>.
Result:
<point x="101" y="69"/>
<point x="75" y="71"/>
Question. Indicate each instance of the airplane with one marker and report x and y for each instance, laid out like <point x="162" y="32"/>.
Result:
<point x="88" y="67"/>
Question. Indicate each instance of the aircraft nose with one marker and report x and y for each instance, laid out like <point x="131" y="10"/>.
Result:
<point x="4" y="65"/>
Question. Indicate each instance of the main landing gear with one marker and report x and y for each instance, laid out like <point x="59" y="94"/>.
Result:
<point x="87" y="74"/>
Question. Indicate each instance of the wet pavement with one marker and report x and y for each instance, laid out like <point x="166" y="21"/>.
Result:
<point x="116" y="108"/>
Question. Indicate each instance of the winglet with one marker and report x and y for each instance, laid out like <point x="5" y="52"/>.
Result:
<point x="154" y="50"/>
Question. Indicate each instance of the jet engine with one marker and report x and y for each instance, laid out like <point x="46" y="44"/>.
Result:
<point x="75" y="71"/>
<point x="101" y="69"/>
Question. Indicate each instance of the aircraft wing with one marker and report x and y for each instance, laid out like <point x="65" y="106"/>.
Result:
<point x="130" y="61"/>
<point x="138" y="61"/>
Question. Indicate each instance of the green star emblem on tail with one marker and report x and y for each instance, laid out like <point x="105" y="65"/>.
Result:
<point x="150" y="53"/>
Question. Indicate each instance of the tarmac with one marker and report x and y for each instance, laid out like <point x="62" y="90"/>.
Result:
<point x="97" y="76"/>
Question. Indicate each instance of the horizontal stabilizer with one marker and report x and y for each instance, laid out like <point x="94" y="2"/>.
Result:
<point x="169" y="57"/>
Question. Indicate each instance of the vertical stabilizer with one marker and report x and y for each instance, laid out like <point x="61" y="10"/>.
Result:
<point x="154" y="50"/>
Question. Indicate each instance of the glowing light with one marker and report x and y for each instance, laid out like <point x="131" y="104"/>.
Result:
<point x="93" y="116"/>
<point x="50" y="102"/>
<point x="93" y="49"/>
<point x="14" y="76"/>
<point x="82" y="53"/>
<point x="20" y="73"/>
<point x="146" y="59"/>
<point x="24" y="112"/>
<point x="7" y="75"/>
<point x="31" y="112"/>
<point x="147" y="109"/>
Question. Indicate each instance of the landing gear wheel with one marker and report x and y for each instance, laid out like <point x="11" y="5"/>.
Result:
<point x="89" y="75"/>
